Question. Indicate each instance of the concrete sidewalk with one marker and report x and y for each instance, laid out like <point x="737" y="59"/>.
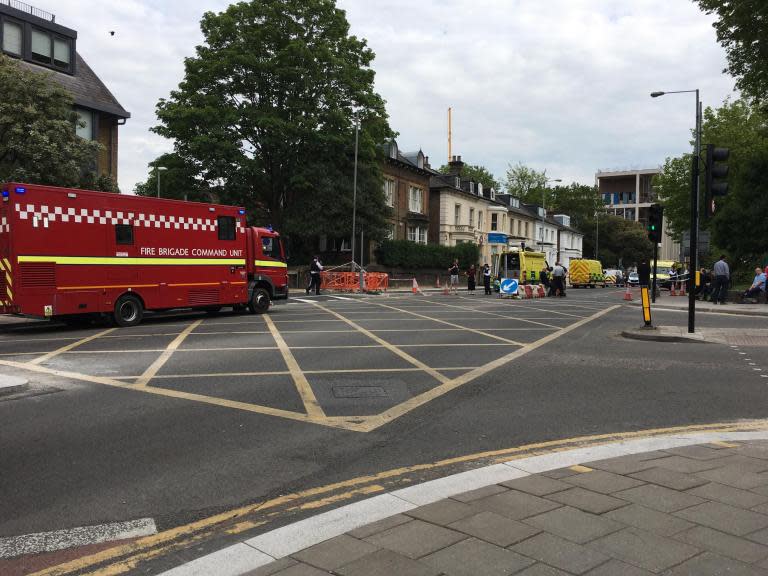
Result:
<point x="693" y="504"/>
<point x="666" y="302"/>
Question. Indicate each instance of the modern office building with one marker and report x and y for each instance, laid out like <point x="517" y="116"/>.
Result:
<point x="629" y="194"/>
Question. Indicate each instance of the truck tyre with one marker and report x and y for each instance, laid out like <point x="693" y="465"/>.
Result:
<point x="128" y="311"/>
<point x="259" y="303"/>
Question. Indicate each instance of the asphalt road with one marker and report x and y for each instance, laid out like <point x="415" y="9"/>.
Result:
<point x="183" y="417"/>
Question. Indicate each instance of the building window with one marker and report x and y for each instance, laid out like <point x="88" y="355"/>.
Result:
<point x="457" y="214"/>
<point x="471" y="216"/>
<point x="417" y="234"/>
<point x="480" y="220"/>
<point x="389" y="192"/>
<point x="226" y="227"/>
<point x="390" y="234"/>
<point x="519" y="227"/>
<point x="84" y="127"/>
<point x="494" y="221"/>
<point x="50" y="50"/>
<point x="415" y="199"/>
<point x="12" y="38"/>
<point x="526" y="229"/>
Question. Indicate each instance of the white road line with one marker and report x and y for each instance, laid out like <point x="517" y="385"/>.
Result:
<point x="302" y="300"/>
<point x="39" y="542"/>
<point x="344" y="298"/>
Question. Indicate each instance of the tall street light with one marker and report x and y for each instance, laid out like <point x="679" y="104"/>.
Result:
<point x="159" y="169"/>
<point x="694" y="248"/>
<point x="543" y="194"/>
<point x="354" y="194"/>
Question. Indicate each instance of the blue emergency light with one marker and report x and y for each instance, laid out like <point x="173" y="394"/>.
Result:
<point x="269" y="227"/>
<point x="20" y="190"/>
<point x="6" y="193"/>
<point x="241" y="212"/>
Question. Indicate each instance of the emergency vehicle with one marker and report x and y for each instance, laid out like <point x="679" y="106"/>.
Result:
<point x="524" y="266"/>
<point x="71" y="254"/>
<point x="586" y="273"/>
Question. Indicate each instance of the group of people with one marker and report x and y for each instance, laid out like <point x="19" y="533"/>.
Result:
<point x="553" y="279"/>
<point x="471" y="274"/>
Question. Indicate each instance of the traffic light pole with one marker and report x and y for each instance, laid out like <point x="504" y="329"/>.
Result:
<point x="694" y="248"/>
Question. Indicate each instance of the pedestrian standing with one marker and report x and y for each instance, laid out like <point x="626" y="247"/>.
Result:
<point x="558" y="279"/>
<point x="453" y="271"/>
<point x="487" y="278"/>
<point x="544" y="277"/>
<point x="722" y="274"/>
<point x="471" y="279"/>
<point x="314" y="275"/>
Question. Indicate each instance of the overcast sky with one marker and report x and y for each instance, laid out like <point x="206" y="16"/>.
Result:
<point x="559" y="85"/>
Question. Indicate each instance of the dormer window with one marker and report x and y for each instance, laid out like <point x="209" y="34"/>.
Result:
<point x="393" y="150"/>
<point x="420" y="160"/>
<point x="479" y="188"/>
<point x="471" y="187"/>
<point x="50" y="49"/>
<point x="457" y="182"/>
<point x="12" y="38"/>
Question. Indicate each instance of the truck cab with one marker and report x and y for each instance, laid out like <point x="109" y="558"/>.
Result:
<point x="265" y="267"/>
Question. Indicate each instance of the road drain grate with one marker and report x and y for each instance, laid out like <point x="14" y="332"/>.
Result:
<point x="359" y="392"/>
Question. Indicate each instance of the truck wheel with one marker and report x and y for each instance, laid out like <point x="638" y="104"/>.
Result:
<point x="128" y="311"/>
<point x="259" y="303"/>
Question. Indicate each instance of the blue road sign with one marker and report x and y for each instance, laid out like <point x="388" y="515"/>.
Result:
<point x="508" y="286"/>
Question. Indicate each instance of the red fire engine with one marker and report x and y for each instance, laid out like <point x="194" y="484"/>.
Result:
<point x="70" y="254"/>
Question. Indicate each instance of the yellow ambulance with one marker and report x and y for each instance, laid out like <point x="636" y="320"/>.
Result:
<point x="584" y="272"/>
<point x="524" y="266"/>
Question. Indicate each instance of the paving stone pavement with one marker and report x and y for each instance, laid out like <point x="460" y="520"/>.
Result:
<point x="695" y="510"/>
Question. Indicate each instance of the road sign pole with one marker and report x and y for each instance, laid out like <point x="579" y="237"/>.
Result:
<point x="655" y="261"/>
<point x="693" y="258"/>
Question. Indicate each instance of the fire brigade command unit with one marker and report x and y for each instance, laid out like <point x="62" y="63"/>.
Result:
<point x="72" y="254"/>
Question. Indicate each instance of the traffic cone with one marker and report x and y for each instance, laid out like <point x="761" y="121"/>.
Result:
<point x="628" y="294"/>
<point x="415" y="288"/>
<point x="682" y="289"/>
<point x="672" y="291"/>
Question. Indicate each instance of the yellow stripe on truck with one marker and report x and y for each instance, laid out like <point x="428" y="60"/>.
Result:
<point x="78" y="260"/>
<point x="270" y="264"/>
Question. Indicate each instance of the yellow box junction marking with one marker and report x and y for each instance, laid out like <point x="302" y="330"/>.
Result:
<point x="127" y="556"/>
<point x="495" y="314"/>
<point x="303" y="386"/>
<point x="154" y="368"/>
<point x="68" y="347"/>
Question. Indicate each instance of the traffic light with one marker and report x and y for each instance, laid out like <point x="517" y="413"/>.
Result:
<point x="714" y="176"/>
<point x="655" y="220"/>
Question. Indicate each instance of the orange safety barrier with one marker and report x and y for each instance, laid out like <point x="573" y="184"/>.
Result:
<point x="528" y="291"/>
<point x="350" y="281"/>
<point x="540" y="292"/>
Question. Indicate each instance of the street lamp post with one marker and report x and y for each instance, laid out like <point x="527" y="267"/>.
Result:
<point x="354" y="195"/>
<point x="694" y="248"/>
<point x="159" y="169"/>
<point x="597" y="232"/>
<point x="543" y="194"/>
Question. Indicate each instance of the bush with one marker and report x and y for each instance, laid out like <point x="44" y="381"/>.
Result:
<point x="413" y="256"/>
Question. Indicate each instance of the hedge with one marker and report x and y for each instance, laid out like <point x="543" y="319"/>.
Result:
<point x="413" y="256"/>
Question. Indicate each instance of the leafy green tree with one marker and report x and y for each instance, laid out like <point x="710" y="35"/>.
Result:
<point x="178" y="181"/>
<point x="265" y="114"/>
<point x="620" y="241"/>
<point x="525" y="183"/>
<point x="38" y="143"/>
<point x="476" y="173"/>
<point x="736" y="125"/>
<point x="578" y="201"/>
<point x="742" y="29"/>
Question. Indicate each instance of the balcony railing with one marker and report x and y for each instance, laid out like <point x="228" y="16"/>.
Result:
<point x="24" y="7"/>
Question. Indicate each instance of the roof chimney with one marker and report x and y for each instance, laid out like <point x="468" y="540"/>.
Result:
<point x="455" y="166"/>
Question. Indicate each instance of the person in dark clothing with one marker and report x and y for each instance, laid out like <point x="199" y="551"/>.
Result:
<point x="544" y="277"/>
<point x="644" y="273"/>
<point x="314" y="275"/>
<point x="487" y="279"/>
<point x="471" y="279"/>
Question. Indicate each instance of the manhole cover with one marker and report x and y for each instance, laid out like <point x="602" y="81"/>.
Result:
<point x="359" y="392"/>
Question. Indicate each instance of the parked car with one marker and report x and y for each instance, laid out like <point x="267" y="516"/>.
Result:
<point x="634" y="279"/>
